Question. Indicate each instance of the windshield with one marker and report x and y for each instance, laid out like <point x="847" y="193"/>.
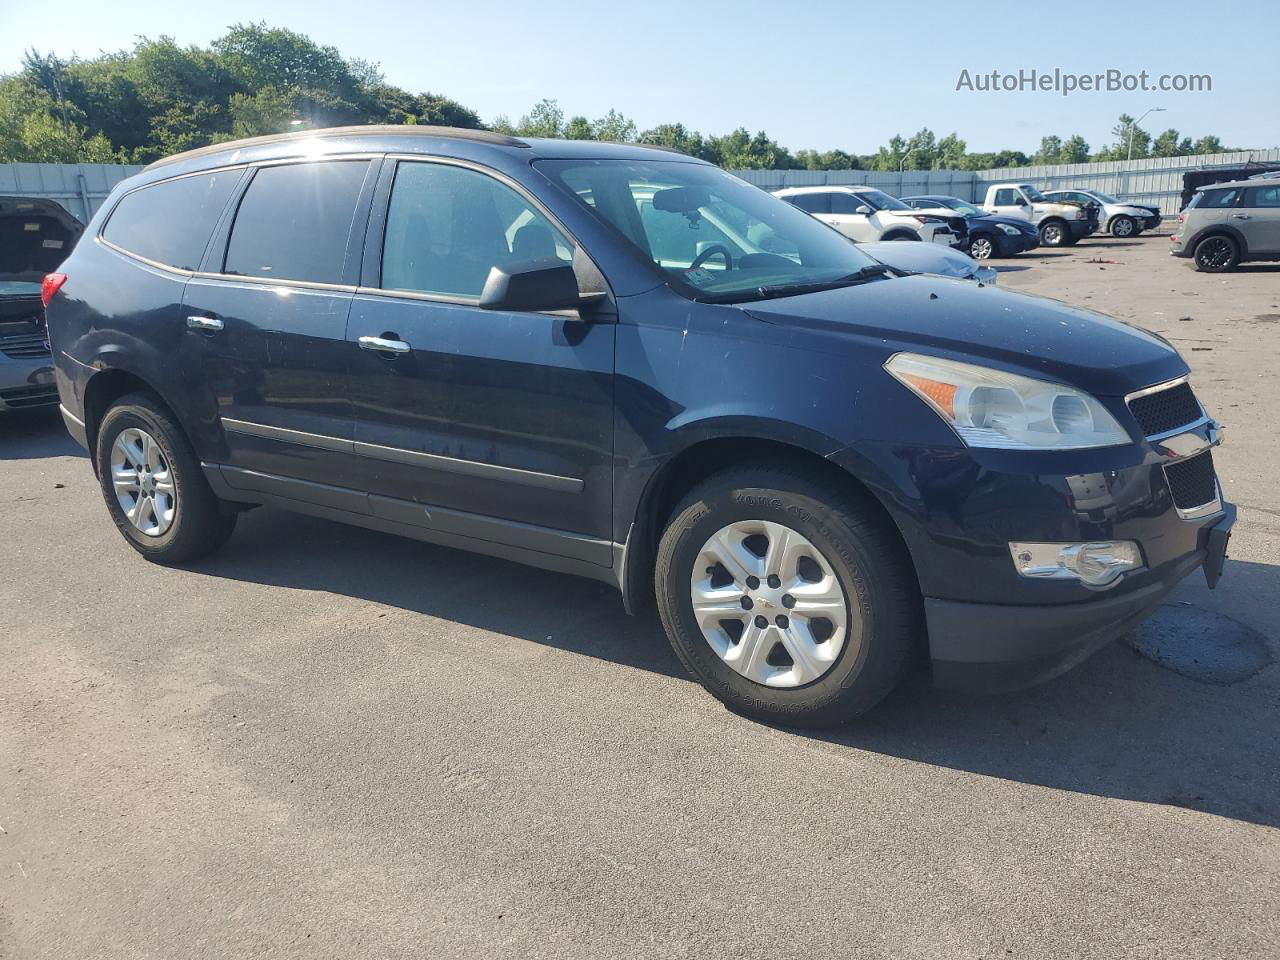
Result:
<point x="968" y="209"/>
<point x="1102" y="196"/>
<point x="1032" y="194"/>
<point x="714" y="236"/>
<point x="15" y="288"/>
<point x="881" y="200"/>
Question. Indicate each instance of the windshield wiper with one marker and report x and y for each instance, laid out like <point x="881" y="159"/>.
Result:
<point x="870" y="272"/>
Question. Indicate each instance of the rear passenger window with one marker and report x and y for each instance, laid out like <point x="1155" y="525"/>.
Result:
<point x="171" y="222"/>
<point x="294" y="221"/>
<point x="1219" y="199"/>
<point x="447" y="226"/>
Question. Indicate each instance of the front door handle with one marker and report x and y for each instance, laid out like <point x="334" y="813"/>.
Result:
<point x="1241" y="216"/>
<point x="383" y="345"/>
<point x="211" y="324"/>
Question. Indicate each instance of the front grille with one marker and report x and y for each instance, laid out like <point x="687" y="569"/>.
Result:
<point x="1192" y="481"/>
<point x="29" y="396"/>
<point x="1166" y="410"/>
<point x="20" y="346"/>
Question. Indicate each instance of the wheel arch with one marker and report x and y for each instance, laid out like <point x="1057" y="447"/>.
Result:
<point x="1220" y="230"/>
<point x="703" y="457"/>
<point x="106" y="386"/>
<point x="900" y="233"/>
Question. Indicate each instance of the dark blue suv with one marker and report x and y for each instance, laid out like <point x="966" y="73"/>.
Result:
<point x="623" y="363"/>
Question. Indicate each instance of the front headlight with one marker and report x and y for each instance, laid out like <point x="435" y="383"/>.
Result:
<point x="1011" y="231"/>
<point x="1005" y="411"/>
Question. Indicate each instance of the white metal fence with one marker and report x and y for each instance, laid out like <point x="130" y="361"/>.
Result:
<point x="81" y="188"/>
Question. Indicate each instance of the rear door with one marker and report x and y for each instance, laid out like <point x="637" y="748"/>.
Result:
<point x="489" y="424"/>
<point x="1258" y="218"/>
<point x="267" y="320"/>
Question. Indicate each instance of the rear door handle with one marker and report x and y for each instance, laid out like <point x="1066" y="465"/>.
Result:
<point x="381" y="345"/>
<point x="204" y="323"/>
<point x="1241" y="216"/>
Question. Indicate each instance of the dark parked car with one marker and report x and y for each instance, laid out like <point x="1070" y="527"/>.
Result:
<point x="35" y="236"/>
<point x="530" y="348"/>
<point x="989" y="235"/>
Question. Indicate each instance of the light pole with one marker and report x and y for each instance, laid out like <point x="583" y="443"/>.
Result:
<point x="902" y="165"/>
<point x="1138" y="121"/>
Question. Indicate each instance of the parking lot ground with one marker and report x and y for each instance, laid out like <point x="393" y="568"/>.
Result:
<point x="325" y="742"/>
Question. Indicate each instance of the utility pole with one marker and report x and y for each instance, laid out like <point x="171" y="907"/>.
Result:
<point x="1138" y="121"/>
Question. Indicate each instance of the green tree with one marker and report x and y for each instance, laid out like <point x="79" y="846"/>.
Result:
<point x="546" y="119"/>
<point x="614" y="128"/>
<point x="579" y="128"/>
<point x="951" y="151"/>
<point x="1209" y="145"/>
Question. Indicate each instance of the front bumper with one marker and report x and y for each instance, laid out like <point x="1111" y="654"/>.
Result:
<point x="995" y="647"/>
<point x="1007" y="246"/>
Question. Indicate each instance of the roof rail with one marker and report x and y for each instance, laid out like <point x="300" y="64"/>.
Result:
<point x="368" y="130"/>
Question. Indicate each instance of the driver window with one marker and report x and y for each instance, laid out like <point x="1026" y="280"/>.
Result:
<point x="1005" y="198"/>
<point x="447" y="226"/>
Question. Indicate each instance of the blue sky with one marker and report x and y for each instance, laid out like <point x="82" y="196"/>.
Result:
<point x="821" y="74"/>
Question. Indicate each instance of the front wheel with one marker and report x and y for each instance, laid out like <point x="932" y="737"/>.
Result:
<point x="790" y="601"/>
<point x="982" y="248"/>
<point x="153" y="485"/>
<point x="1123" y="227"/>
<point x="1054" y="233"/>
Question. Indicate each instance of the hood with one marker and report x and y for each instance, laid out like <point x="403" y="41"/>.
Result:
<point x="965" y="321"/>
<point x="922" y="258"/>
<point x="36" y="235"/>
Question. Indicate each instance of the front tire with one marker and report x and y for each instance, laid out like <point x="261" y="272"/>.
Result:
<point x="1124" y="227"/>
<point x="790" y="601"/>
<point x="1217" y="254"/>
<point x="155" y="490"/>
<point x="1054" y="233"/>
<point x="982" y="248"/>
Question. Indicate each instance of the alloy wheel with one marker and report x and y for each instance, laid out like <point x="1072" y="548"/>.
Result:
<point x="1051" y="235"/>
<point x="981" y="248"/>
<point x="1214" y="253"/>
<point x="769" y="604"/>
<point x="143" y="482"/>
<point x="1123" y="227"/>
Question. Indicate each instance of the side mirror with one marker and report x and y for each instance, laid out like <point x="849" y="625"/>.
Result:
<point x="863" y="210"/>
<point x="539" y="285"/>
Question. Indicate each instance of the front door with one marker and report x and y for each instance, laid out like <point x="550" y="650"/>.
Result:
<point x="845" y="217"/>
<point x="489" y="424"/>
<point x="267" y="322"/>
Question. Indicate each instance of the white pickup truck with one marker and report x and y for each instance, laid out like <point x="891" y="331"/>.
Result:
<point x="1060" y="224"/>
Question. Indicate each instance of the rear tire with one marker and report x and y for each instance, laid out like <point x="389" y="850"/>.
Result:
<point x="155" y="491"/>
<point x="1217" y="254"/>
<point x="852" y="622"/>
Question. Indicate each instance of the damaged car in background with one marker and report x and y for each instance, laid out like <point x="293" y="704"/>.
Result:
<point x="35" y="236"/>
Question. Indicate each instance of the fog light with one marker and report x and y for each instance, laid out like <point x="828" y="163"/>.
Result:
<point x="1094" y="564"/>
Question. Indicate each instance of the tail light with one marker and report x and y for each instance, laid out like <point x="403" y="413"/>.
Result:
<point x="50" y="285"/>
<point x="1182" y="218"/>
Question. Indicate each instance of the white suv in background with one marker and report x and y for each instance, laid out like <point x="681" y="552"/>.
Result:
<point x="865" y="214"/>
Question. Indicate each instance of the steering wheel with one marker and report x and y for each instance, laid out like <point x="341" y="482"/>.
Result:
<point x="710" y="252"/>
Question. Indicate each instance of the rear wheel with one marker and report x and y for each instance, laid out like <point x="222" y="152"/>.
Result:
<point x="789" y="601"/>
<point x="1216" y="254"/>
<point x="1123" y="227"/>
<point x="154" y="488"/>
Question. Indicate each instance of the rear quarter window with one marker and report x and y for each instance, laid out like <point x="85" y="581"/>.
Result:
<point x="1218" y="199"/>
<point x="171" y="222"/>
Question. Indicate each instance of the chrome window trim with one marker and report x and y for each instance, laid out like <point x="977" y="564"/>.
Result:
<point x="276" y="281"/>
<point x="470" y="468"/>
